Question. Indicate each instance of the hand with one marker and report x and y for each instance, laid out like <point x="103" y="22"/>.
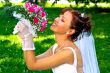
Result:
<point x="23" y="29"/>
<point x="25" y="35"/>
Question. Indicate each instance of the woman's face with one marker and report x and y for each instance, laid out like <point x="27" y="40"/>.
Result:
<point x="62" y="23"/>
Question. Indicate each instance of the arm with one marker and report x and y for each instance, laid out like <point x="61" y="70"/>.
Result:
<point x="41" y="62"/>
<point x="57" y="59"/>
<point x="45" y="54"/>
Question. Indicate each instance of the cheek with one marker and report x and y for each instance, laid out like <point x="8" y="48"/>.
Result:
<point x="63" y="26"/>
<point x="59" y="28"/>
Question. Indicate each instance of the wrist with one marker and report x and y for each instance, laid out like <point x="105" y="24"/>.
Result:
<point x="27" y="43"/>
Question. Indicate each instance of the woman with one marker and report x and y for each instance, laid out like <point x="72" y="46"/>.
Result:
<point x="64" y="56"/>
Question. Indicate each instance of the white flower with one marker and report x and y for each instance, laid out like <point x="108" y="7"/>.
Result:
<point x="82" y="14"/>
<point x="17" y="15"/>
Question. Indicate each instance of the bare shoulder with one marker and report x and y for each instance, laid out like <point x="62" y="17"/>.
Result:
<point x="77" y="52"/>
<point x="79" y="57"/>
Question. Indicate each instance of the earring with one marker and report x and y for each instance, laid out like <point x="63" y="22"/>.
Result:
<point x="67" y="33"/>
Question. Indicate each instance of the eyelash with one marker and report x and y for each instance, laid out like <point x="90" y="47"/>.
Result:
<point x="62" y="20"/>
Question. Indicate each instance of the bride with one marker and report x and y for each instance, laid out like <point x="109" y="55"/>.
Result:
<point x="64" y="56"/>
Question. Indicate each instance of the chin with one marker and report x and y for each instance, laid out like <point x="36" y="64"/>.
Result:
<point x="54" y="28"/>
<point x="51" y="28"/>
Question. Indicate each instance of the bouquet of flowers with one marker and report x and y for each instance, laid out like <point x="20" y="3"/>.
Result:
<point x="33" y="16"/>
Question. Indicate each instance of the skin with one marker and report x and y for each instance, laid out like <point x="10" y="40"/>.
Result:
<point x="62" y="55"/>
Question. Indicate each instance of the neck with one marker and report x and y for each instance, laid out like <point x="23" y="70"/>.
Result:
<point x="61" y="39"/>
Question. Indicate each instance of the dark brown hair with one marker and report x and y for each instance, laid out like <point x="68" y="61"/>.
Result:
<point x="79" y="23"/>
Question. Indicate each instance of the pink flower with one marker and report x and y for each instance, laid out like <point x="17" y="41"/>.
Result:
<point x="34" y="6"/>
<point x="42" y="14"/>
<point x="40" y="8"/>
<point x="30" y="9"/>
<point x="44" y="23"/>
<point x="35" y="20"/>
<point x="42" y="29"/>
<point x="36" y="9"/>
<point x="27" y="5"/>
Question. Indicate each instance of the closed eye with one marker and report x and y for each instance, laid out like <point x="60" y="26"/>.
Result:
<point x="61" y="17"/>
<point x="62" y="20"/>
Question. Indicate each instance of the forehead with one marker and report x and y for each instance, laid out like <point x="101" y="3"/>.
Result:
<point x="67" y="16"/>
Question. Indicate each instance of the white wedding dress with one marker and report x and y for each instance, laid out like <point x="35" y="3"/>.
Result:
<point x="87" y="48"/>
<point x="66" y="68"/>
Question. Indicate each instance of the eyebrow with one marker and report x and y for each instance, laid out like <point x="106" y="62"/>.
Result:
<point x="63" y="17"/>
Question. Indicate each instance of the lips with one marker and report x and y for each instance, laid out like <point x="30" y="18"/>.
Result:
<point x="53" y="24"/>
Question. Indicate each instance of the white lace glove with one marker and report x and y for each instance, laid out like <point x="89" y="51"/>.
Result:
<point x="27" y="43"/>
<point x="25" y="35"/>
<point x="32" y="29"/>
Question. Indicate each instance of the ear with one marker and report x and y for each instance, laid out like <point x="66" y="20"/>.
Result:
<point x="70" y="32"/>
